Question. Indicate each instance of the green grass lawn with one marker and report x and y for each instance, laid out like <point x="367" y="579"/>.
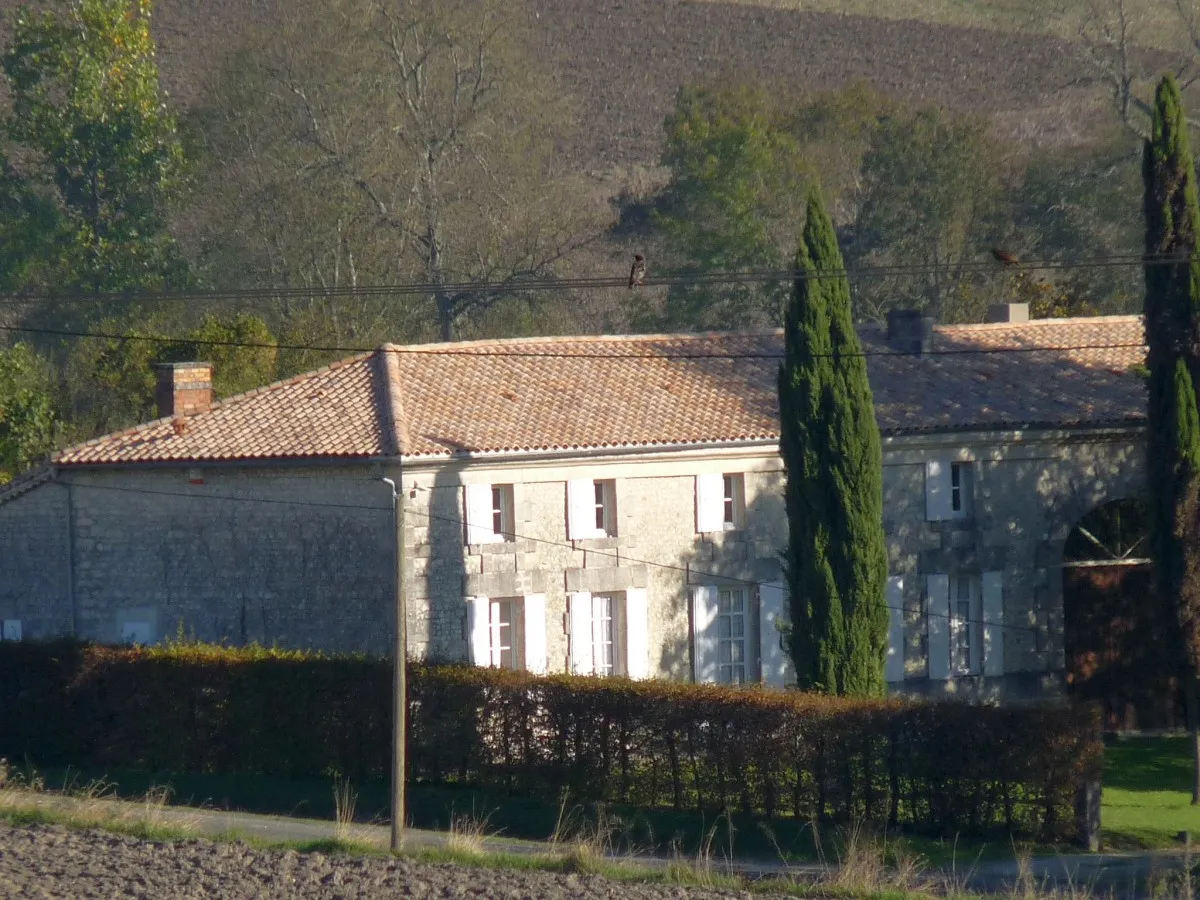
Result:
<point x="1147" y="792"/>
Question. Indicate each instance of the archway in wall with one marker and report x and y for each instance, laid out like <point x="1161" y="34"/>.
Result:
<point x="1115" y="627"/>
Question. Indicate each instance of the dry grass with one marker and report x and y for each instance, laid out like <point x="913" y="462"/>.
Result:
<point x="468" y="834"/>
<point x="94" y="804"/>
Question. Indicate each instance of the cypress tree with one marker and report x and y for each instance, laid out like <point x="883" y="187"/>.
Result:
<point x="836" y="559"/>
<point x="1172" y="319"/>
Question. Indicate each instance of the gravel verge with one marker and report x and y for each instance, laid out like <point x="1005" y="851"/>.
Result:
<point x="50" y="861"/>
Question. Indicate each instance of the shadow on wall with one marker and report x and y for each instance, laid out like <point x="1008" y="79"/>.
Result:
<point x="730" y="593"/>
<point x="439" y="570"/>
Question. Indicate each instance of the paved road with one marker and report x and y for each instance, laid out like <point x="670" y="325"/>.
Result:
<point x="1125" y="874"/>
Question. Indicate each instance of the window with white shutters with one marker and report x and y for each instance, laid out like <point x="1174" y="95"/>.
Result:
<point x="733" y="507"/>
<point x="497" y="632"/>
<point x="591" y="509"/>
<point x="948" y="490"/>
<point x="599" y="642"/>
<point x="605" y="507"/>
<point x="725" y="636"/>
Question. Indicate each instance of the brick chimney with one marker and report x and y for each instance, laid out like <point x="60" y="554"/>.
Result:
<point x="1008" y="312"/>
<point x="909" y="332"/>
<point x="183" y="388"/>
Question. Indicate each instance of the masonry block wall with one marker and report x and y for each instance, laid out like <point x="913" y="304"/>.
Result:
<point x="303" y="556"/>
<point x="33" y="562"/>
<point x="289" y="557"/>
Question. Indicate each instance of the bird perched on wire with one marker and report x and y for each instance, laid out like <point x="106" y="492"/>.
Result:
<point x="1005" y="257"/>
<point x="637" y="274"/>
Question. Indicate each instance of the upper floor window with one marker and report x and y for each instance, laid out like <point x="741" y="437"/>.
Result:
<point x="720" y="502"/>
<point x="488" y="513"/>
<point x="949" y="490"/>
<point x="591" y="508"/>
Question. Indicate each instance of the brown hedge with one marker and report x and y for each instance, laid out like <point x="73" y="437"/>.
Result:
<point x="946" y="767"/>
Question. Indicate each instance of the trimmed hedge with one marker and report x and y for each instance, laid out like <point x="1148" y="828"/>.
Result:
<point x="946" y="767"/>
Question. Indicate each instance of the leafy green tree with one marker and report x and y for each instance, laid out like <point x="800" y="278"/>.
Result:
<point x="111" y="381"/>
<point x="89" y="121"/>
<point x="29" y="422"/>
<point x="735" y="175"/>
<point x="931" y="198"/>
<point x="1172" y="320"/>
<point x="836" y="557"/>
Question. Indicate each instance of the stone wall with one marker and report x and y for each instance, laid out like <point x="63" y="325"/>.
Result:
<point x="33" y="562"/>
<point x="303" y="556"/>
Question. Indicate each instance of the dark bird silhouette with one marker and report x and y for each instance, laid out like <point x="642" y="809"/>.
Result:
<point x="1005" y="257"/>
<point x="637" y="274"/>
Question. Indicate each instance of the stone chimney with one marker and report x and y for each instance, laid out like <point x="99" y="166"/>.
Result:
<point x="183" y="388"/>
<point x="1008" y="312"/>
<point x="908" y="331"/>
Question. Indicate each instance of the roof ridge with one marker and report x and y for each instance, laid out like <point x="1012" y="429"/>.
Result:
<point x="1065" y="320"/>
<point x="439" y="346"/>
<point x="395" y="423"/>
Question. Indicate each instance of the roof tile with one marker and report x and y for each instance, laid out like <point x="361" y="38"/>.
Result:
<point x="567" y="393"/>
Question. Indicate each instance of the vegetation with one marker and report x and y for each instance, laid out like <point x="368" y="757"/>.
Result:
<point x="654" y="745"/>
<point x="1172" y="315"/>
<point x="836" y="558"/>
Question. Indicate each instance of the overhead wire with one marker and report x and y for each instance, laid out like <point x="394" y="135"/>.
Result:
<point x="401" y="289"/>
<point x="687" y="570"/>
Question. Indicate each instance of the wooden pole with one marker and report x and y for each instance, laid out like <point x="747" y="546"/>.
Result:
<point x="399" y="675"/>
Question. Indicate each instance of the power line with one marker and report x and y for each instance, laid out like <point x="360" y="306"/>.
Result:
<point x="494" y="352"/>
<point x="523" y="285"/>
<point x="688" y="571"/>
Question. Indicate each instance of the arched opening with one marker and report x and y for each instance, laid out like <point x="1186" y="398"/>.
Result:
<point x="1116" y="628"/>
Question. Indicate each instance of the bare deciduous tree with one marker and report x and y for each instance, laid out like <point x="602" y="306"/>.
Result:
<point x="415" y="139"/>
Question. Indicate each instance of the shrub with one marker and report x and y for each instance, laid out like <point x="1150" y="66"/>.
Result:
<point x="946" y="767"/>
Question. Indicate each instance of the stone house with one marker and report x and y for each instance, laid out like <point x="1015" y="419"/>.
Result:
<point x="591" y="504"/>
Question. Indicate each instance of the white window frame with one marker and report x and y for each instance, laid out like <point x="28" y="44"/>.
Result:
<point x="605" y="507"/>
<point x="733" y="632"/>
<point x="525" y="639"/>
<point x="733" y="500"/>
<point x="949" y="489"/>
<point x="709" y="636"/>
<point x="479" y="513"/>
<point x="599" y="620"/>
<point x="503" y="508"/>
<point x="966" y="614"/>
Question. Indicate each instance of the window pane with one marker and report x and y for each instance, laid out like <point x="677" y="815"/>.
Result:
<point x="737" y="600"/>
<point x="724" y="628"/>
<point x="736" y="653"/>
<point x="737" y="626"/>
<point x="724" y="652"/>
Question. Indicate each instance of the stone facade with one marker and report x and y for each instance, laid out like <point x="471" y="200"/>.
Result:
<point x="302" y="556"/>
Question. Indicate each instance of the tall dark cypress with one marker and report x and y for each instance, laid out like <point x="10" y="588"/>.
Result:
<point x="836" y="558"/>
<point x="1172" y="322"/>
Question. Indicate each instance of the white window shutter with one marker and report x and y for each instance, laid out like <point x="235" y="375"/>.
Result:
<point x="581" y="509"/>
<point x="710" y="502"/>
<point x="479" y="633"/>
<point x="637" y="633"/>
<point x="704" y="635"/>
<point x="993" y="619"/>
<point x="581" y="633"/>
<point x="937" y="620"/>
<point x="477" y="504"/>
<point x="894" y="668"/>
<point x="536" y="659"/>
<point x="773" y="611"/>
<point x="938" y="502"/>
<point x="10" y="630"/>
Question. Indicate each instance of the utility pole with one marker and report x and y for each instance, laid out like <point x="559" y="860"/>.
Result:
<point x="399" y="674"/>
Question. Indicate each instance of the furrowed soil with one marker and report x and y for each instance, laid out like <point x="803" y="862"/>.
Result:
<point x="53" y="862"/>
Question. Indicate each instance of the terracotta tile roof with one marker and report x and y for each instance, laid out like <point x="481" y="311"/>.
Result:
<point x="26" y="481"/>
<point x="645" y="390"/>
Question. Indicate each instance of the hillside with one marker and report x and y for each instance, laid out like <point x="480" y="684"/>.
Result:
<point x="623" y="60"/>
